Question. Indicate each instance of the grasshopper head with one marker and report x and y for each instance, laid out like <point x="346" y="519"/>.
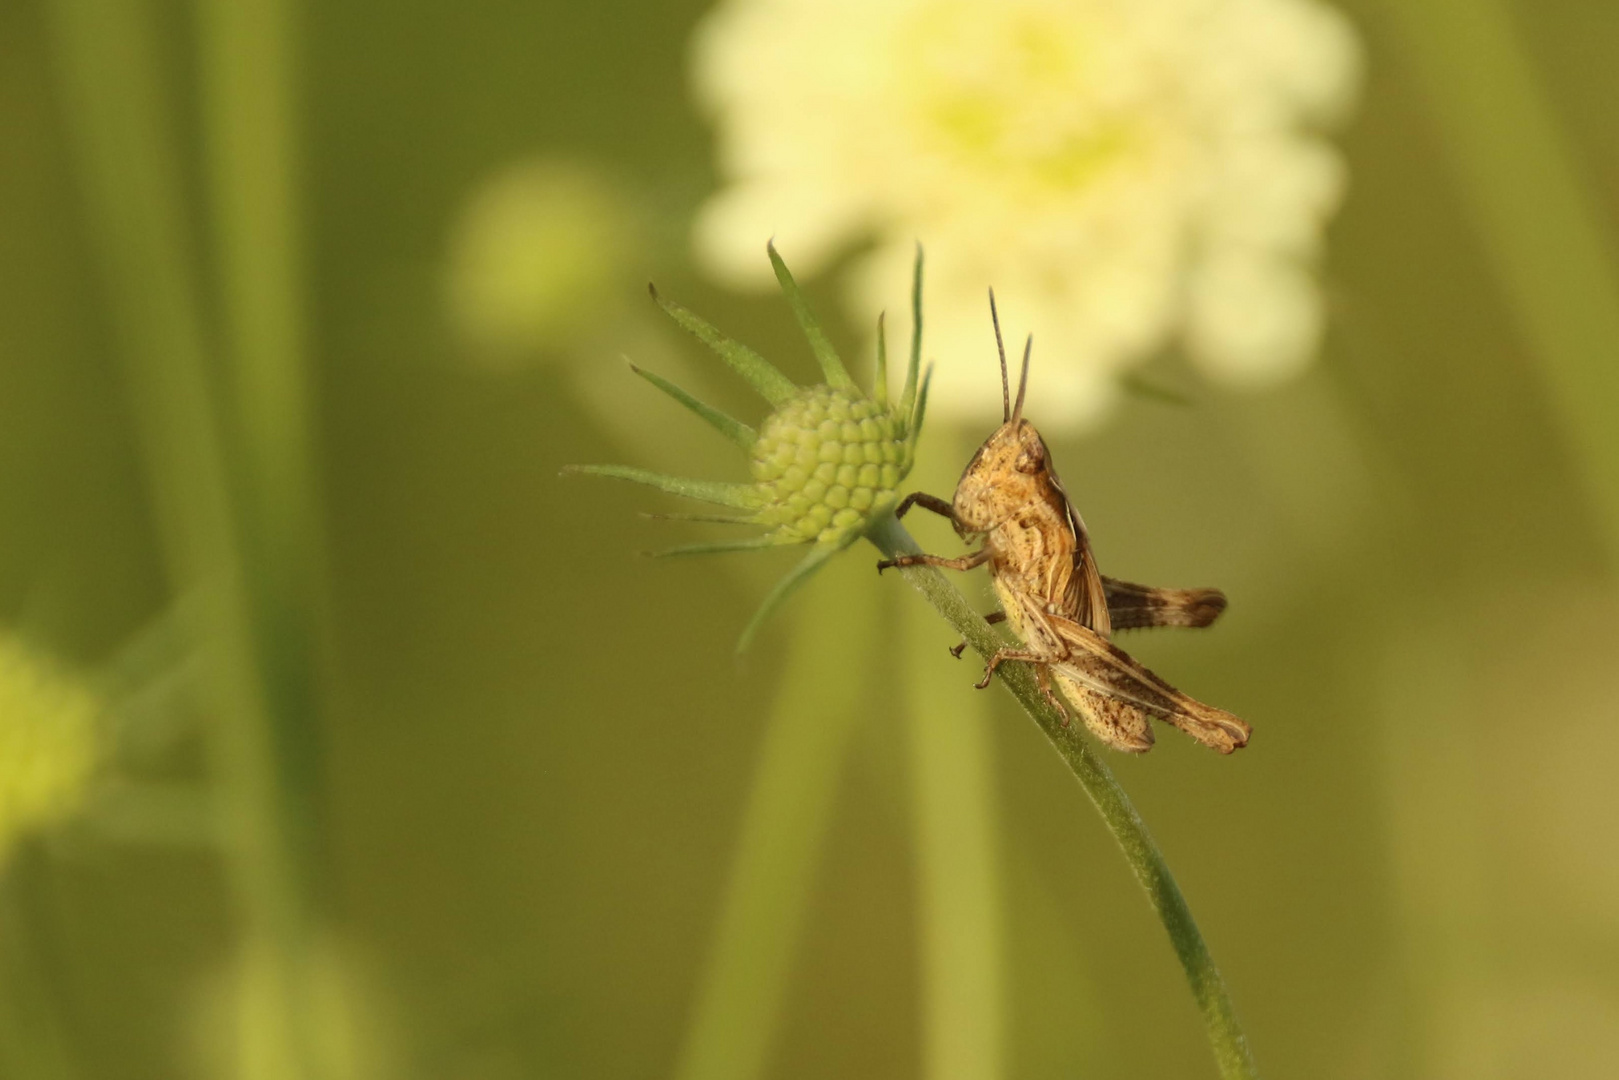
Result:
<point x="1012" y="468"/>
<point x="1009" y="471"/>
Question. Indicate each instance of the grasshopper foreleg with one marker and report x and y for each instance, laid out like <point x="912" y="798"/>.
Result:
<point x="964" y="562"/>
<point x="926" y="502"/>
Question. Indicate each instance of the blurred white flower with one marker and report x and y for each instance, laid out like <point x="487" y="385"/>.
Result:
<point x="1126" y="173"/>
<point x="536" y="256"/>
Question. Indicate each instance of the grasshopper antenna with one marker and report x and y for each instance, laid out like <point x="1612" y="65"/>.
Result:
<point x="1006" y="391"/>
<point x="1023" y="381"/>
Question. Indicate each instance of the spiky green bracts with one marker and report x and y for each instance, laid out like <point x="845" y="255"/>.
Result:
<point x="826" y="463"/>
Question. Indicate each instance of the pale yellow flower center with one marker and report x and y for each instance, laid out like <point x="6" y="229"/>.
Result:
<point x="1007" y="93"/>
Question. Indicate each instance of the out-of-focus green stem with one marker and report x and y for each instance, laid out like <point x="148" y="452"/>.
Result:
<point x="739" y="1002"/>
<point x="962" y="933"/>
<point x="1440" y="842"/>
<point x="1208" y="988"/>
<point x="1536" y="214"/>
<point x="33" y="1042"/>
<point x="245" y="64"/>
<point x="129" y="164"/>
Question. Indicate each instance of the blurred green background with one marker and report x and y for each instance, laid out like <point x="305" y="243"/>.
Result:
<point x="489" y="831"/>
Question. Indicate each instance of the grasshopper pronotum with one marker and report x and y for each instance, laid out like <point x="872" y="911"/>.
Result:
<point x="1056" y="600"/>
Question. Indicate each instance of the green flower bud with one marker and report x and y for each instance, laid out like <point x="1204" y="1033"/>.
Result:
<point x="827" y="461"/>
<point x="841" y="430"/>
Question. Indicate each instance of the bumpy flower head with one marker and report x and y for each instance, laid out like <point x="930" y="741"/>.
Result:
<point x="47" y="742"/>
<point x="1135" y="173"/>
<point x="827" y="457"/>
<point x="826" y="463"/>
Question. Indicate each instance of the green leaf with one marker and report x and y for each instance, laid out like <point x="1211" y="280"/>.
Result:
<point x="752" y="543"/>
<point x="907" y="398"/>
<point x="738" y="496"/>
<point x="915" y="429"/>
<point x="831" y="366"/>
<point x="732" y="428"/>
<point x="879" y="385"/>
<point x="715" y="519"/>
<point x="799" y="574"/>
<point x="760" y="373"/>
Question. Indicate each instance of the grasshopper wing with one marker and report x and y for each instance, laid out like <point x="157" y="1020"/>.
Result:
<point x="1086" y="598"/>
<point x="1116" y="695"/>
<point x="1134" y="607"/>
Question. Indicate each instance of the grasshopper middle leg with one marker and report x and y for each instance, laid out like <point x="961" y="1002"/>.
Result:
<point x="1003" y="655"/>
<point x="992" y="618"/>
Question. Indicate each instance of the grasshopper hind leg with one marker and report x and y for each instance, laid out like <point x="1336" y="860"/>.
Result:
<point x="1118" y="723"/>
<point x="1042" y="677"/>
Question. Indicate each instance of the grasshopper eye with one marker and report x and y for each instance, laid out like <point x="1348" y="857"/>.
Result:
<point x="1031" y="460"/>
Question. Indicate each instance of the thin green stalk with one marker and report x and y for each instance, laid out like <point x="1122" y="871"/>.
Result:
<point x="1230" y="1046"/>
<point x="962" y="947"/>
<point x="34" y="1041"/>
<point x="128" y="159"/>
<point x="739" y="1001"/>
<point x="962" y="935"/>
<point x="245" y="68"/>
<point x="1440" y="840"/>
<point x="1537" y="214"/>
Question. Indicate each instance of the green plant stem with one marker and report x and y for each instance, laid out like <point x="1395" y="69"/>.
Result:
<point x="1440" y="804"/>
<point x="739" y="1001"/>
<point x="34" y="1041"/>
<point x="245" y="66"/>
<point x="129" y="163"/>
<point x="1230" y="1046"/>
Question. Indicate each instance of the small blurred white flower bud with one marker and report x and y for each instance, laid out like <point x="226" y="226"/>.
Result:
<point x="536" y="257"/>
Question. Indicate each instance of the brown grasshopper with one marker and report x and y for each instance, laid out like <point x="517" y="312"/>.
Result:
<point x="1056" y="600"/>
